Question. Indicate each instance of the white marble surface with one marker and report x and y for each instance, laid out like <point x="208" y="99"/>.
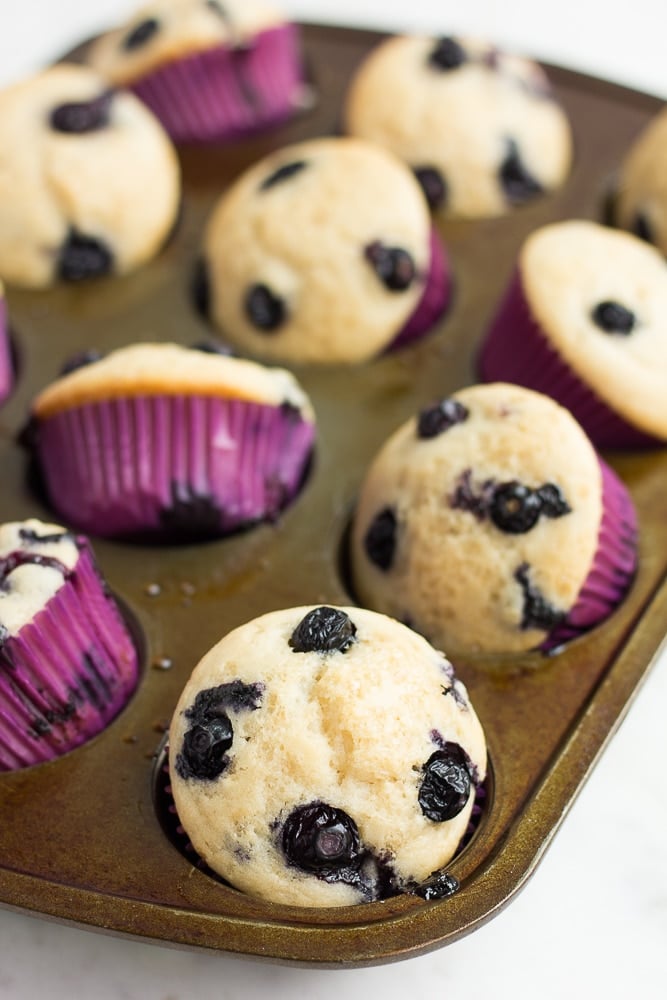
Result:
<point x="592" y="921"/>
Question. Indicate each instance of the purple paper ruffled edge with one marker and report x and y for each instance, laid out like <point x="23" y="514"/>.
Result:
<point x="224" y="92"/>
<point x="67" y="673"/>
<point x="516" y="350"/>
<point x="614" y="564"/>
<point x="176" y="466"/>
<point x="6" y="366"/>
<point x="435" y="296"/>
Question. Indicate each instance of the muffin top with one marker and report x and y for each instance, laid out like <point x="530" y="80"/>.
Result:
<point x="35" y="559"/>
<point x="479" y="127"/>
<point x="642" y="187"/>
<point x="318" y="253"/>
<point x="600" y="296"/>
<point x="164" y="30"/>
<point x="169" y="369"/>
<point x="325" y="756"/>
<point x="89" y="181"/>
<point x="477" y="522"/>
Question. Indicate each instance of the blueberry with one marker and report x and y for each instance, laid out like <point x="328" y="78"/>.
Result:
<point x="79" y="117"/>
<point x="434" y="186"/>
<point x="439" y="885"/>
<point x="553" y="502"/>
<point x="201" y="288"/>
<point x="380" y="539"/>
<point x="264" y="309"/>
<point x="141" y="34"/>
<point x="612" y="317"/>
<point x="82" y="257"/>
<point x="394" y="266"/>
<point x="322" y="839"/>
<point x="441" y="417"/>
<point x="204" y="748"/>
<point x="210" y="735"/>
<point x="445" y="786"/>
<point x="80" y="360"/>
<point x="537" y="612"/>
<point x="323" y="630"/>
<point x="282" y="174"/>
<point x="517" y="183"/>
<point x="515" y="508"/>
<point x="448" y="54"/>
<point x="465" y="498"/>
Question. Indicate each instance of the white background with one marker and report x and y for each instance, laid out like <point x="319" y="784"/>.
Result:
<point x="592" y="922"/>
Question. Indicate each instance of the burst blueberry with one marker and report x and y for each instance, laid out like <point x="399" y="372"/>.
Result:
<point x="445" y="786"/>
<point x="323" y="630"/>
<point x="321" y="839"/>
<point x="438" y="418"/>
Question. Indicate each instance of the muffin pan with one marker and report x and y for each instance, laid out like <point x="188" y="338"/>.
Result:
<point x="84" y="841"/>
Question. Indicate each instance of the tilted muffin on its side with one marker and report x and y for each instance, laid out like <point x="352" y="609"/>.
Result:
<point x="584" y="320"/>
<point x="323" y="252"/>
<point x="488" y="523"/>
<point x="324" y="757"/>
<point x="479" y="127"/>
<point x="209" y="70"/>
<point x="168" y="441"/>
<point x="641" y="196"/>
<point x="89" y="181"/>
<point x="67" y="662"/>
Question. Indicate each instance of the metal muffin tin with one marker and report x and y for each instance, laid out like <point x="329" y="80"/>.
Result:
<point x="81" y="838"/>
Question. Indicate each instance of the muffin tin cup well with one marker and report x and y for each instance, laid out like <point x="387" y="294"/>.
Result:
<point x="106" y="861"/>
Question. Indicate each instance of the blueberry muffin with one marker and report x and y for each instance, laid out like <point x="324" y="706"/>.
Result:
<point x="584" y="320"/>
<point x="479" y="127"/>
<point x="89" y="181"/>
<point x="324" y="757"/>
<point x="641" y="202"/>
<point x="323" y="253"/>
<point x="209" y="70"/>
<point x="172" y="442"/>
<point x="488" y="523"/>
<point x="67" y="661"/>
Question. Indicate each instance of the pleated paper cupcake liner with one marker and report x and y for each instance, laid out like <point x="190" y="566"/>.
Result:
<point x="173" y="466"/>
<point x="67" y="673"/>
<point x="516" y="350"/>
<point x="6" y="366"/>
<point x="613" y="568"/>
<point x="434" y="299"/>
<point x="226" y="91"/>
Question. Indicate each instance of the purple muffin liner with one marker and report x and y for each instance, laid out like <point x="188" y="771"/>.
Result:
<point x="227" y="91"/>
<point x="613" y="568"/>
<point x="6" y="366"/>
<point x="434" y="299"/>
<point x="67" y="673"/>
<point x="516" y="350"/>
<point x="178" y="466"/>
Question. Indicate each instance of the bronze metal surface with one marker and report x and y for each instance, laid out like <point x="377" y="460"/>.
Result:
<point x="79" y="838"/>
